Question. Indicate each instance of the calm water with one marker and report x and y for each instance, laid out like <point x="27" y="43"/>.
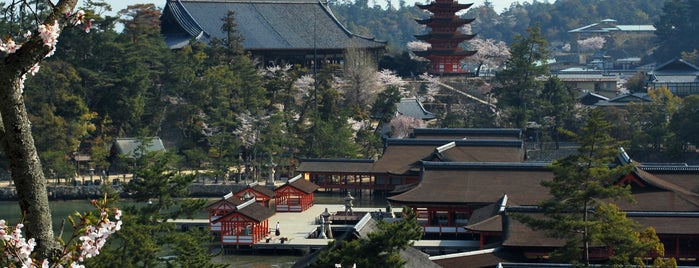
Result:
<point x="9" y="211"/>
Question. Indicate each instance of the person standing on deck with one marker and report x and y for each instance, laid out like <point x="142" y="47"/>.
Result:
<point x="277" y="232"/>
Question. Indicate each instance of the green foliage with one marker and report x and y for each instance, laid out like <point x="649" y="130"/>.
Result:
<point x="636" y="83"/>
<point x="578" y="211"/>
<point x="146" y="234"/>
<point x="651" y="121"/>
<point x="621" y="234"/>
<point x="557" y="107"/>
<point x="385" y="105"/>
<point x="685" y="122"/>
<point x="674" y="27"/>
<point x="378" y="249"/>
<point x="521" y="83"/>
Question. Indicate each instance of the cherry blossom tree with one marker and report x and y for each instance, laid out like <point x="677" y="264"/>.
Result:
<point x="20" y="54"/>
<point x="403" y="125"/>
<point x="490" y="53"/>
<point x="591" y="44"/>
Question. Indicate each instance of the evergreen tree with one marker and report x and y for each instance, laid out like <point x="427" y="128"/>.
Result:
<point x="685" y="122"/>
<point x="521" y="83"/>
<point x="557" y="104"/>
<point x="146" y="234"/>
<point x="378" y="249"/>
<point x="578" y="212"/>
<point x="651" y="121"/>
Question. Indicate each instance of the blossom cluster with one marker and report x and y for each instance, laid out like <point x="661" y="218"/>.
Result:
<point x="49" y="35"/>
<point x="94" y="231"/>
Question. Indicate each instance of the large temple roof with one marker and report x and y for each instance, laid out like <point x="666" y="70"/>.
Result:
<point x="404" y="155"/>
<point x="478" y="183"/>
<point x="264" y="24"/>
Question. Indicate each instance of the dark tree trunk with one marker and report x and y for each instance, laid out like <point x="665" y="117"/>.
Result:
<point x="17" y="141"/>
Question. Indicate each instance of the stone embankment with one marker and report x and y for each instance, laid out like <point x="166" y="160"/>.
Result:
<point x="61" y="192"/>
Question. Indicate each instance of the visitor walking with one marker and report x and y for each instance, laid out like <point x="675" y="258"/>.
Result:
<point x="276" y="230"/>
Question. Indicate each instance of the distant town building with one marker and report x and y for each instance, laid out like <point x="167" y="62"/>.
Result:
<point x="609" y="27"/>
<point x="679" y="76"/>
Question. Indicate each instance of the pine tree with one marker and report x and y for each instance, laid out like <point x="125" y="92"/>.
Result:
<point x="579" y="211"/>
<point x="521" y="83"/>
<point x="378" y="249"/>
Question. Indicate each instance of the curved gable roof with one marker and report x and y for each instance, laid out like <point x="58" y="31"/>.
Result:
<point x="264" y="24"/>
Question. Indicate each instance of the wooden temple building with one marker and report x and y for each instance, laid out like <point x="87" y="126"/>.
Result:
<point x="401" y="164"/>
<point x="340" y="174"/>
<point x="475" y="199"/>
<point x="261" y="194"/>
<point x="276" y="32"/>
<point x="445" y="55"/>
<point x="463" y="183"/>
<point x="237" y="221"/>
<point x="296" y="195"/>
<point x="449" y="192"/>
<point x="399" y="167"/>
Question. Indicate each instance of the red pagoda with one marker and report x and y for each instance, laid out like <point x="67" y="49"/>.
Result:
<point x="445" y="54"/>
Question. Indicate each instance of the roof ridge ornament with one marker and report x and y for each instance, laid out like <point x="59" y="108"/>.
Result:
<point x="294" y="179"/>
<point x="445" y="147"/>
<point x="243" y="205"/>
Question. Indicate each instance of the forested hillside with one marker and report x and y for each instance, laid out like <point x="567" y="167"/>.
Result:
<point x="397" y="23"/>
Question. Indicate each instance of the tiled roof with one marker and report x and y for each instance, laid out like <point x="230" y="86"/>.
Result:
<point x="676" y="66"/>
<point x="127" y="146"/>
<point x="354" y="166"/>
<point x="478" y="258"/>
<point x="478" y="183"/>
<point x="403" y="155"/>
<point x="659" y="78"/>
<point x="668" y="223"/>
<point x="467" y="133"/>
<point x="518" y="234"/>
<point x="264" y="24"/>
<point x="299" y="183"/>
<point x="609" y="25"/>
<point x="250" y="209"/>
<point x="229" y="199"/>
<point x="258" y="188"/>
<point x="413" y="108"/>
<point x="592" y="77"/>
<point x="488" y="218"/>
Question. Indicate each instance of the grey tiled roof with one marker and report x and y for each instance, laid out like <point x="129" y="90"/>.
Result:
<point x="127" y="146"/>
<point x="264" y="24"/>
<point x="413" y="108"/>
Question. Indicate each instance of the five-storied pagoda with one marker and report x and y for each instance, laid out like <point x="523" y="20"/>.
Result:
<point x="445" y="54"/>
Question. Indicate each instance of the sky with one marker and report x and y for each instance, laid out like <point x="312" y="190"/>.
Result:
<point x="499" y="5"/>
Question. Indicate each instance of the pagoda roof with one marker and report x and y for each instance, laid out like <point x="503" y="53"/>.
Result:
<point x="428" y="53"/>
<point x="264" y="24"/>
<point x="478" y="183"/>
<point x="453" y="20"/>
<point x="453" y="5"/>
<point x="352" y="166"/>
<point x="450" y="36"/>
<point x="403" y="156"/>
